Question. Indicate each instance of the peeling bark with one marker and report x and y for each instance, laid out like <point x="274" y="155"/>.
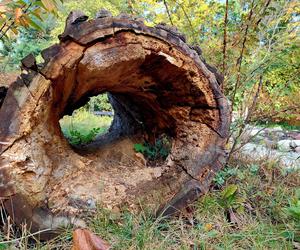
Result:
<point x="157" y="84"/>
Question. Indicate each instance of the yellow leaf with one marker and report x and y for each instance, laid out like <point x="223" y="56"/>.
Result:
<point x="49" y="5"/>
<point x="18" y="14"/>
<point x="24" y="21"/>
<point x="208" y="227"/>
<point x="15" y="31"/>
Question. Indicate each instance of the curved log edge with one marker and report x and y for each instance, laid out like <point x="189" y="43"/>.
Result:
<point x="158" y="85"/>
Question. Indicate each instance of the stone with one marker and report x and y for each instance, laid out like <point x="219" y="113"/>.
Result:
<point x="29" y="62"/>
<point x="254" y="131"/>
<point x="295" y="143"/>
<point x="288" y="160"/>
<point x="285" y="145"/>
<point x="270" y="143"/>
<point x="278" y="128"/>
<point x="297" y="150"/>
<point x="288" y="145"/>
<point x="295" y="135"/>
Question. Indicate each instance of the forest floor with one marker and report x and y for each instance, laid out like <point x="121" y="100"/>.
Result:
<point x="250" y="206"/>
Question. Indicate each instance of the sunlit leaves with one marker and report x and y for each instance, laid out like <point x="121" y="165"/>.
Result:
<point x="25" y="13"/>
<point x="49" y="5"/>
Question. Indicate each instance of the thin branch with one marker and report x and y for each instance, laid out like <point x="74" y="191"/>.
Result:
<point x="13" y="23"/>
<point x="240" y="58"/>
<point x="167" y="9"/>
<point x="246" y="120"/>
<point x="225" y="40"/>
<point x="26" y="237"/>
<point x="262" y="14"/>
<point x="189" y="21"/>
<point x="130" y="7"/>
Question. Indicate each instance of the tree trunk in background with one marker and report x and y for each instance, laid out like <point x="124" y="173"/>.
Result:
<point x="158" y="86"/>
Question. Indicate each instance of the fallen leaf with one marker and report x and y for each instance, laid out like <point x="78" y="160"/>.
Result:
<point x="84" y="239"/>
<point x="208" y="227"/>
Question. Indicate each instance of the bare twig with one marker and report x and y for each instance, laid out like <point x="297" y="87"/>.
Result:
<point x="167" y="9"/>
<point x="246" y="120"/>
<point x="240" y="58"/>
<point x="249" y="139"/>
<point x="262" y="14"/>
<point x="190" y="23"/>
<point x="26" y="236"/>
<point x="225" y="39"/>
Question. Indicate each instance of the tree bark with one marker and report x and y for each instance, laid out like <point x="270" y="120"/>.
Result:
<point x="158" y="85"/>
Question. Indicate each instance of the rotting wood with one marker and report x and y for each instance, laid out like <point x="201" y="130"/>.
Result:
<point x="158" y="85"/>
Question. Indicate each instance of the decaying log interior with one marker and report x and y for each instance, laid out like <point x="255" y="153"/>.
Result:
<point x="157" y="84"/>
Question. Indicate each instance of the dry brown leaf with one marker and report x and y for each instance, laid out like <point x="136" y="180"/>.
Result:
<point x="83" y="239"/>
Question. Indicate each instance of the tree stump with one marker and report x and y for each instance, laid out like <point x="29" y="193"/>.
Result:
<point x="158" y="85"/>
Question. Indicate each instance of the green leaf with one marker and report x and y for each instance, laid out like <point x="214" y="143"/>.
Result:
<point x="34" y="24"/>
<point x="36" y="13"/>
<point x="139" y="148"/>
<point x="3" y="246"/>
<point x="229" y="191"/>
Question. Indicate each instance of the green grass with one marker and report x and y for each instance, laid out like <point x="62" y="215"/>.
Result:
<point x="83" y="127"/>
<point x="250" y="206"/>
<point x="260" y="197"/>
<point x="260" y="207"/>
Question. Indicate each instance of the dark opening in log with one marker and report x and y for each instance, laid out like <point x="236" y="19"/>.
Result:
<point x="158" y="86"/>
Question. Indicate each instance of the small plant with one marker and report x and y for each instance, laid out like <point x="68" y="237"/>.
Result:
<point x="78" y="138"/>
<point x="157" y="151"/>
<point x="254" y="168"/>
<point x="224" y="174"/>
<point x="228" y="195"/>
<point x="294" y="208"/>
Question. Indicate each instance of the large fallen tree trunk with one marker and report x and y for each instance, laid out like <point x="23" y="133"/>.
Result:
<point x="157" y="84"/>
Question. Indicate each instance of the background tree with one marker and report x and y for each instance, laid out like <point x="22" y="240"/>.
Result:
<point x="261" y="40"/>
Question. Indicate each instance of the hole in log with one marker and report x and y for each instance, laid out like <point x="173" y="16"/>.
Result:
<point x="89" y="123"/>
<point x="165" y="142"/>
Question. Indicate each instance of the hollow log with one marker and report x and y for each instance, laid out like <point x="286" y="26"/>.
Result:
<point x="157" y="85"/>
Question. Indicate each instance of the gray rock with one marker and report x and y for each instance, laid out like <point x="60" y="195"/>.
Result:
<point x="259" y="152"/>
<point x="288" y="145"/>
<point x="285" y="145"/>
<point x="295" y="143"/>
<point x="278" y="128"/>
<point x="270" y="143"/>
<point x="297" y="150"/>
<point x="255" y="131"/>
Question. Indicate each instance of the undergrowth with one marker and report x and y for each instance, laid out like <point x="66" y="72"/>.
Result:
<point x="83" y="127"/>
<point x="255" y="206"/>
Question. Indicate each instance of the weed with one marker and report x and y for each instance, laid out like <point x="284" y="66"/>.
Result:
<point x="83" y="127"/>
<point x="78" y="138"/>
<point x="157" y="151"/>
